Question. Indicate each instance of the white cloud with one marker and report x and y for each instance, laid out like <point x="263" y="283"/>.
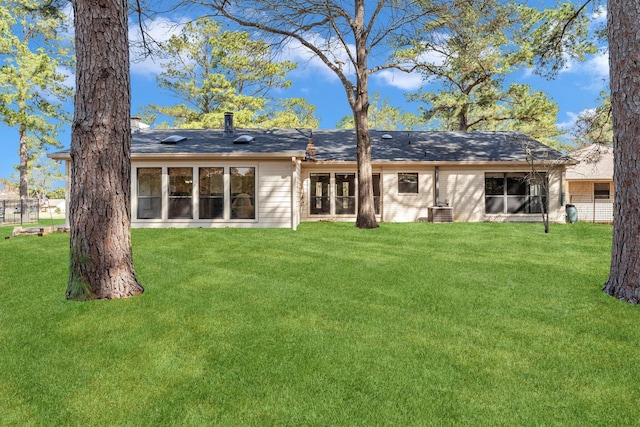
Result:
<point x="400" y="79"/>
<point x="157" y="31"/>
<point x="70" y="76"/>
<point x="599" y="64"/>
<point x="571" y="120"/>
<point x="599" y="15"/>
<point x="595" y="70"/>
<point x="308" y="61"/>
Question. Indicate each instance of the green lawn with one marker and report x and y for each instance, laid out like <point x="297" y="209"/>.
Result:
<point x="408" y="324"/>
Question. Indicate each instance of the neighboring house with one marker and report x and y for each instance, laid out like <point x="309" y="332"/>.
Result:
<point x="8" y="190"/>
<point x="590" y="183"/>
<point x="278" y="178"/>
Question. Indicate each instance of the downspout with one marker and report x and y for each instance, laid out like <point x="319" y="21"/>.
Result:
<point x="437" y="186"/>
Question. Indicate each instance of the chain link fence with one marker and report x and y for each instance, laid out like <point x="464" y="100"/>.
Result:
<point x="592" y="209"/>
<point x="19" y="212"/>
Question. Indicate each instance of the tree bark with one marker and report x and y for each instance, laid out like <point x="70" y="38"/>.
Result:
<point x="366" y="217"/>
<point x="624" y="62"/>
<point x="99" y="209"/>
<point x="24" y="176"/>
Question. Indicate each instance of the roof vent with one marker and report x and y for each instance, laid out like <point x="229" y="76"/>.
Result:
<point x="243" y="139"/>
<point x="173" y="139"/>
<point x="386" y="136"/>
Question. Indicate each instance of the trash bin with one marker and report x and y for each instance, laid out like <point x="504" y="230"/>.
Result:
<point x="572" y="213"/>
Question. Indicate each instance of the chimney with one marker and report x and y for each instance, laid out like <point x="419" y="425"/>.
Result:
<point x="228" y="124"/>
<point x="311" y="150"/>
<point x="137" y="125"/>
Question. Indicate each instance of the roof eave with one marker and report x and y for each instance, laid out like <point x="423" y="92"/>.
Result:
<point x="213" y="156"/>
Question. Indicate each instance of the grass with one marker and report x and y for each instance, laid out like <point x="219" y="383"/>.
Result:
<point x="408" y="324"/>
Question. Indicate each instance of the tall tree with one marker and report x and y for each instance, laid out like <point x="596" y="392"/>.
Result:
<point x="624" y="63"/>
<point x="99" y="208"/>
<point x="32" y="85"/>
<point x="352" y="39"/>
<point x="215" y="70"/>
<point x="468" y="52"/>
<point x="42" y="170"/>
<point x="559" y="34"/>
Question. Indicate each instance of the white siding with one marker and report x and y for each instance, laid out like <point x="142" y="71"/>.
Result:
<point x="274" y="188"/>
<point x="406" y="207"/>
<point x="464" y="191"/>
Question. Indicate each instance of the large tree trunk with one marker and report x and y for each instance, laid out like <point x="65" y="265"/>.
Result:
<point x="99" y="209"/>
<point x="624" y="60"/>
<point x="24" y="175"/>
<point x="366" y="217"/>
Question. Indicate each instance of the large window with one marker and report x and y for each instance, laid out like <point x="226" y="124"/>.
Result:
<point x="243" y="193"/>
<point x="216" y="193"/>
<point x="180" y="193"/>
<point x="345" y="194"/>
<point x="149" y="193"/>
<point x="211" y="193"/>
<point x="513" y="193"/>
<point x="319" y="194"/>
<point x="407" y="183"/>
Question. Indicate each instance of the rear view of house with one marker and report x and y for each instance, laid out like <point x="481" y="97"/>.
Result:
<point x="278" y="178"/>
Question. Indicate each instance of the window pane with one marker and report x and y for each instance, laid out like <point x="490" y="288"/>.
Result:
<point x="494" y="185"/>
<point x="149" y="193"/>
<point x="516" y="184"/>
<point x="517" y="204"/>
<point x="319" y="194"/>
<point x="407" y="183"/>
<point x="534" y="204"/>
<point x="243" y="193"/>
<point x="601" y="190"/>
<point x="180" y="193"/>
<point x="211" y="189"/>
<point x="376" y="192"/>
<point x="494" y="204"/>
<point x="345" y="194"/>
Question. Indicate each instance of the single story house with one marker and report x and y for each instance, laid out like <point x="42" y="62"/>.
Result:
<point x="589" y="184"/>
<point x="278" y="178"/>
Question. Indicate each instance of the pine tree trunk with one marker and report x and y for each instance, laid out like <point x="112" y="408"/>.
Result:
<point x="99" y="209"/>
<point x="624" y="59"/>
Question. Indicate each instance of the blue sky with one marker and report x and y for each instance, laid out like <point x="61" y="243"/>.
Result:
<point x="575" y="89"/>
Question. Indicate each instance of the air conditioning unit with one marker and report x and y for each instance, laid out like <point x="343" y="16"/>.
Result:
<point x="440" y="214"/>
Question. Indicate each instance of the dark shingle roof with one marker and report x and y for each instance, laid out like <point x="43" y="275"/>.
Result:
<point x="340" y="145"/>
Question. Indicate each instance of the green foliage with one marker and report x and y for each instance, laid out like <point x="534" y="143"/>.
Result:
<point x="383" y="116"/>
<point x="468" y="51"/>
<point x="557" y="34"/>
<point x="595" y="126"/>
<point x="32" y="87"/>
<point x="486" y="324"/>
<point x="215" y="70"/>
<point x="58" y="193"/>
<point x="43" y="172"/>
